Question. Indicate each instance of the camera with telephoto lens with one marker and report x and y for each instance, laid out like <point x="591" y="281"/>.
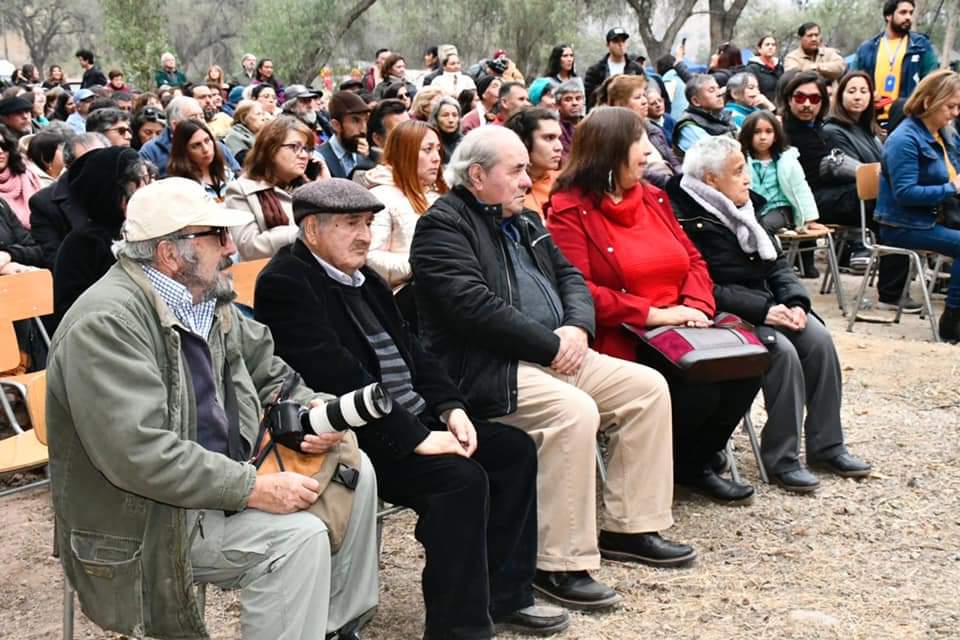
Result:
<point x="289" y="421"/>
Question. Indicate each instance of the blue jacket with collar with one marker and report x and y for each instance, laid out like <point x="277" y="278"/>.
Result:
<point x="919" y="60"/>
<point x="914" y="179"/>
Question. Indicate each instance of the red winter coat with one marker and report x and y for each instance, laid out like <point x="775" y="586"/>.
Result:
<point x="575" y="222"/>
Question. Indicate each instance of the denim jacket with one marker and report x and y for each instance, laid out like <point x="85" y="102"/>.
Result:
<point x="914" y="179"/>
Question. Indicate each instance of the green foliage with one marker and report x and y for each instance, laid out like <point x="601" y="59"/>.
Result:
<point x="136" y="30"/>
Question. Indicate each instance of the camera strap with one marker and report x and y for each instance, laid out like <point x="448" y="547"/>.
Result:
<point x="234" y="442"/>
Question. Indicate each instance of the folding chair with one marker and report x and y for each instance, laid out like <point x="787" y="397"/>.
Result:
<point x="791" y="247"/>
<point x="245" y="279"/>
<point x="747" y="425"/>
<point x="26" y="296"/>
<point x="868" y="187"/>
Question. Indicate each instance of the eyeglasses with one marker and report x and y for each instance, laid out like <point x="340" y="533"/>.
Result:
<point x="812" y="98"/>
<point x="222" y="232"/>
<point x="123" y="131"/>
<point x="297" y="148"/>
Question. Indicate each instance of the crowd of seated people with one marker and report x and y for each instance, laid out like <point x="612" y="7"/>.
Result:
<point x="493" y="266"/>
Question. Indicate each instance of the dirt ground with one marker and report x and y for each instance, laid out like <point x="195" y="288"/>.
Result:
<point x="878" y="558"/>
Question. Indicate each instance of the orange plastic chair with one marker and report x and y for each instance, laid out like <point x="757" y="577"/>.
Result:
<point x="245" y="279"/>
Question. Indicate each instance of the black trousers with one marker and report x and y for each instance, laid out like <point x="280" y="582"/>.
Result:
<point x="478" y="525"/>
<point x="704" y="416"/>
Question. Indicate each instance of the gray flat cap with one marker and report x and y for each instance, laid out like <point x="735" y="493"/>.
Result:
<point x="332" y="195"/>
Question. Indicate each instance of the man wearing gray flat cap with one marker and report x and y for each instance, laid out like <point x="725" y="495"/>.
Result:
<point x="472" y="483"/>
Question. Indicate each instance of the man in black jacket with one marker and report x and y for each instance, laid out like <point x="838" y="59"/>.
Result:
<point x="614" y="63"/>
<point x="512" y="318"/>
<point x="473" y="486"/>
<point x="52" y="212"/>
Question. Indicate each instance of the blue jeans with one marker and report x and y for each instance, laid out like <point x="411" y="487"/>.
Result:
<point x="939" y="239"/>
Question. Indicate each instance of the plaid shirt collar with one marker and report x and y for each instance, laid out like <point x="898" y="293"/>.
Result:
<point x="198" y="318"/>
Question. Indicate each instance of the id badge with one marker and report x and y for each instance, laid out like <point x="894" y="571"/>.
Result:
<point x="890" y="83"/>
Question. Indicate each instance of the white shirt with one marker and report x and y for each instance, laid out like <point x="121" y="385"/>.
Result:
<point x="616" y="68"/>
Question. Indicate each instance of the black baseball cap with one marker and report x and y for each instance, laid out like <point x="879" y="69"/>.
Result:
<point x="617" y="33"/>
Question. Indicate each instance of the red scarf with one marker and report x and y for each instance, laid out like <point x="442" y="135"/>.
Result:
<point x="624" y="213"/>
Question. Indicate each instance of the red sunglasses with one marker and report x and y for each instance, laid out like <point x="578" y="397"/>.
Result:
<point x="812" y="98"/>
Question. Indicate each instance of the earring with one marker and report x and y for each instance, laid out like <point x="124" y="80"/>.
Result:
<point x="611" y="187"/>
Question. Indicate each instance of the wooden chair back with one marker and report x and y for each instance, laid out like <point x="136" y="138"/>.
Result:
<point x="868" y="181"/>
<point x="245" y="279"/>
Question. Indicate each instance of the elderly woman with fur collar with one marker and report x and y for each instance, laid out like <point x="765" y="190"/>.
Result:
<point x="752" y="279"/>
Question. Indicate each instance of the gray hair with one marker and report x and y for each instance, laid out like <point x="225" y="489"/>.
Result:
<point x="573" y="85"/>
<point x="737" y="83"/>
<point x="144" y="252"/>
<point x="696" y="84"/>
<point x="444" y="100"/>
<point x="482" y="147"/>
<point x="166" y="55"/>
<point x="176" y="107"/>
<point x="653" y="89"/>
<point x="708" y="155"/>
<point x="85" y="141"/>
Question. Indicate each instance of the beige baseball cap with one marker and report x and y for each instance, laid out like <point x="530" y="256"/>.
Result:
<point x="171" y="204"/>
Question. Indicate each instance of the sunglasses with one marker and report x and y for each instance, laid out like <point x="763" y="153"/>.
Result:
<point x="152" y="114"/>
<point x="221" y="232"/>
<point x="812" y="98"/>
<point x="123" y="131"/>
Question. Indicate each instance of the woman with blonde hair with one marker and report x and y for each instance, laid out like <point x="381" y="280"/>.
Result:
<point x="414" y="154"/>
<point x="920" y="183"/>
<point x="424" y="102"/>
<point x="273" y="168"/>
<point x="248" y="118"/>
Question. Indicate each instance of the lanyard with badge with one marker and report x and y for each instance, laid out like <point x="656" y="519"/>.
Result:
<point x="890" y="83"/>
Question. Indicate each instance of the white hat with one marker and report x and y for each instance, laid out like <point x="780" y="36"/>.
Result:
<point x="168" y="205"/>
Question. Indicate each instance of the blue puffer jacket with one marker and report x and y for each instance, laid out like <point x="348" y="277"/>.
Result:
<point x="919" y="60"/>
<point x="914" y="178"/>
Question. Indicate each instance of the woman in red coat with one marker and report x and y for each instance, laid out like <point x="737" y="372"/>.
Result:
<point x="642" y="270"/>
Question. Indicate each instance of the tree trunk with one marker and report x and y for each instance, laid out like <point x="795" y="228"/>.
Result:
<point x="645" y="10"/>
<point x="953" y="14"/>
<point x="723" y="21"/>
<point x="317" y="57"/>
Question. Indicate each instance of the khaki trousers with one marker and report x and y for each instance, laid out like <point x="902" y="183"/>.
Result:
<point x="631" y="404"/>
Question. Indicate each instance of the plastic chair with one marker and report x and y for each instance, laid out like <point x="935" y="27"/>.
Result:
<point x="868" y="187"/>
<point x="245" y="279"/>
<point x="26" y="296"/>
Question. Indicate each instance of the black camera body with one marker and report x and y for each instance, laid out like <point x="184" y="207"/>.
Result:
<point x="289" y="421"/>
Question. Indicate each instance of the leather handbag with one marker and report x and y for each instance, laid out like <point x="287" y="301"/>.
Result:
<point x="729" y="350"/>
<point x="950" y="212"/>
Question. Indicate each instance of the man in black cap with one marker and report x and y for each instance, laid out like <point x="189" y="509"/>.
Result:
<point x="304" y="103"/>
<point x="15" y="113"/>
<point x="347" y="150"/>
<point x="472" y="483"/>
<point x="614" y="63"/>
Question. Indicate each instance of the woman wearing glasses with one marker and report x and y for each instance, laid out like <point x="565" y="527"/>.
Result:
<point x="101" y="181"/>
<point x="195" y="154"/>
<point x="274" y="167"/>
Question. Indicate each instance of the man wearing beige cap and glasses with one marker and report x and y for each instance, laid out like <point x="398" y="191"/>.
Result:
<point x="149" y="447"/>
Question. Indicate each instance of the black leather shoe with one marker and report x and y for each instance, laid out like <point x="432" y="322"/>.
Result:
<point x="720" y="463"/>
<point x="535" y="620"/>
<point x="845" y="465"/>
<point x="648" y="548"/>
<point x="796" y="481"/>
<point x="718" y="489"/>
<point x="575" y="589"/>
<point x="950" y="325"/>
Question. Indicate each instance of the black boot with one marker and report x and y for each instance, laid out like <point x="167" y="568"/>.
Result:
<point x="950" y="325"/>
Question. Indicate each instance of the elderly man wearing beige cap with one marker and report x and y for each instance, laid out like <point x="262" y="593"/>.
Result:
<point x="156" y="385"/>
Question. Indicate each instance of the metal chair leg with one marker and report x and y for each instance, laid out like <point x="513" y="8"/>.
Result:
<point x="834" y="268"/>
<point x="734" y="471"/>
<point x="927" y="304"/>
<point x="67" y="610"/>
<point x="755" y="445"/>
<point x="8" y="411"/>
<point x="601" y="465"/>
<point x="861" y="291"/>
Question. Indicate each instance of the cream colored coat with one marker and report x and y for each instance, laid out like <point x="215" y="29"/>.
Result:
<point x="254" y="240"/>
<point x="392" y="233"/>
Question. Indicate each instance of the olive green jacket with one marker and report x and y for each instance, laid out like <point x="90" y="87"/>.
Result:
<point x="125" y="465"/>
